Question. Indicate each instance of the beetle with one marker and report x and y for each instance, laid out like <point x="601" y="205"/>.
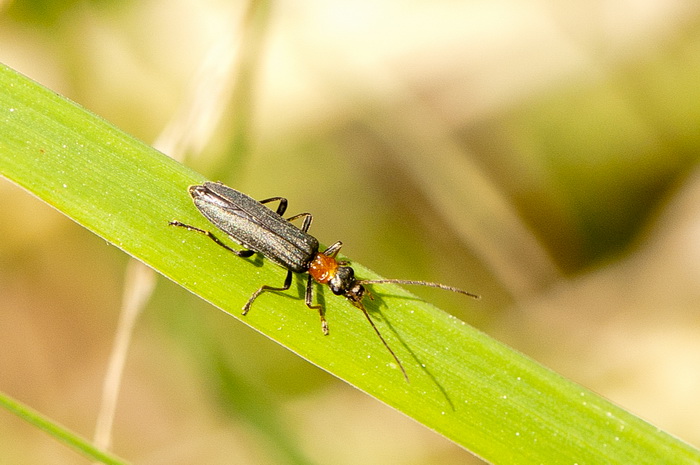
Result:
<point x="259" y="229"/>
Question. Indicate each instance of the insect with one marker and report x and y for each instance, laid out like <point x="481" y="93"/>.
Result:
<point x="259" y="229"/>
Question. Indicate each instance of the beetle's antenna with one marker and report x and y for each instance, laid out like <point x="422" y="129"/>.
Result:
<point x="362" y="307"/>
<point x="419" y="283"/>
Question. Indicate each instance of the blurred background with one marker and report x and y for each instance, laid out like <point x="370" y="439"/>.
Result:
<point x="539" y="153"/>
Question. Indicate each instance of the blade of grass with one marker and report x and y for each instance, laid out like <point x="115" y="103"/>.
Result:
<point x="59" y="432"/>
<point x="490" y="399"/>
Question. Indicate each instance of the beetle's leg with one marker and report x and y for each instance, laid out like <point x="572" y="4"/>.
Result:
<point x="333" y="250"/>
<point x="287" y="284"/>
<point x="309" y="298"/>
<point x="281" y="208"/>
<point x="241" y="253"/>
<point x="308" y="218"/>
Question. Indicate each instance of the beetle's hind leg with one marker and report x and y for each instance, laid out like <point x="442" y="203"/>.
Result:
<point x="241" y="253"/>
<point x="281" y="207"/>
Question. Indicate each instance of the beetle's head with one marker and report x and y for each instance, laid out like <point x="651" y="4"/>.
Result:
<point x="344" y="283"/>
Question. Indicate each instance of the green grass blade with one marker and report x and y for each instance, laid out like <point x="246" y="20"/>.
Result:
<point x="59" y="432"/>
<point x="484" y="396"/>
